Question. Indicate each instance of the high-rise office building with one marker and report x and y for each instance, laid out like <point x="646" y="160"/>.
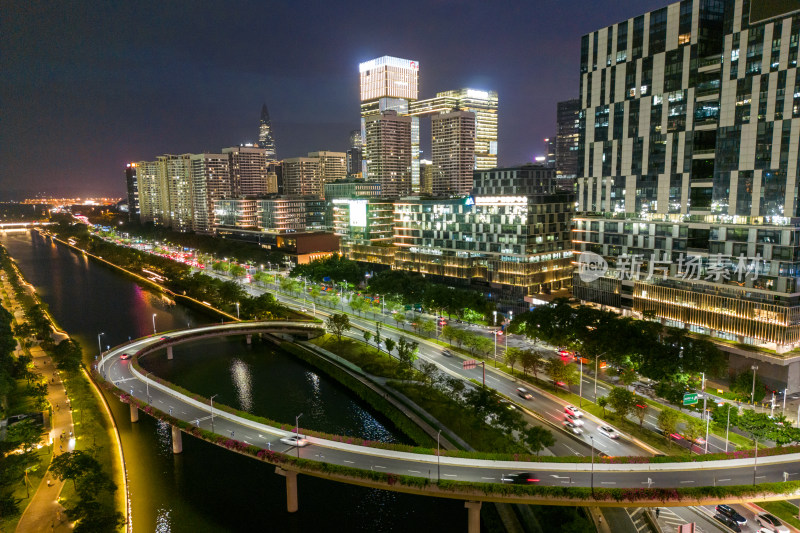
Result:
<point x="390" y="84"/>
<point x="426" y="177"/>
<point x="550" y="152"/>
<point x="211" y="179"/>
<point x="266" y="137"/>
<point x="453" y="149"/>
<point x="567" y="138"/>
<point x="174" y="175"/>
<point x="388" y="153"/>
<point x="248" y="167"/>
<point x="483" y="103"/>
<point x="689" y="178"/>
<point x="355" y="153"/>
<point x="332" y="166"/>
<point x="301" y="177"/>
<point x="132" y="186"/>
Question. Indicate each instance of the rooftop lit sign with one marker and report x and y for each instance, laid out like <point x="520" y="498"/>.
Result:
<point x="473" y="93"/>
<point x="501" y="200"/>
<point x="388" y="61"/>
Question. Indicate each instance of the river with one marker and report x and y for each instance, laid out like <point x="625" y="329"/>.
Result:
<point x="207" y="488"/>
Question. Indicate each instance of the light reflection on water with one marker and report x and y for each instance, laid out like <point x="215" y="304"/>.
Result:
<point x="163" y="520"/>
<point x="240" y="374"/>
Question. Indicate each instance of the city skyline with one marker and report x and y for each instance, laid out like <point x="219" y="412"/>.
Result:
<point x="77" y="112"/>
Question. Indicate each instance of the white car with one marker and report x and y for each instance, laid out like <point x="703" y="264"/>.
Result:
<point x="572" y="427"/>
<point x="608" y="431"/>
<point x="770" y="522"/>
<point x="574" y="419"/>
<point x="572" y="410"/>
<point x="295" y="440"/>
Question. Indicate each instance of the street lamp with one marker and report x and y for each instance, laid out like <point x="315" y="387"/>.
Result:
<point x="596" y="359"/>
<point x="703" y="382"/>
<point x="708" y="421"/>
<point x="592" y="475"/>
<point x="508" y="328"/>
<point x="154" y="323"/>
<point x="755" y="461"/>
<point x="438" y="460"/>
<point x="100" y="347"/>
<point x="754" y="368"/>
<point x="212" y="412"/>
<point x="727" y="427"/>
<point x="147" y="384"/>
<point x="237" y="310"/>
<point x="297" y="431"/>
<point x="580" y="383"/>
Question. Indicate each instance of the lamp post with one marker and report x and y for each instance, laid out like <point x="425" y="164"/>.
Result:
<point x="580" y="383"/>
<point x="754" y="368"/>
<point x="708" y="421"/>
<point x="510" y="318"/>
<point x="592" y="475"/>
<point x="596" y="359"/>
<point x="785" y="393"/>
<point x="755" y="461"/>
<point x="703" y="381"/>
<point x="212" y="412"/>
<point x="147" y="385"/>
<point x="727" y="427"/>
<point x="100" y="348"/>
<point x="297" y="431"/>
<point x="237" y="310"/>
<point x="438" y="461"/>
<point x="154" y="323"/>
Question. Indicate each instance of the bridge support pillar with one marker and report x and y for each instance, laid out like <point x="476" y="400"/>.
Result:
<point x="134" y="413"/>
<point x="169" y="352"/>
<point x="249" y="340"/>
<point x="177" y="440"/>
<point x="473" y="516"/>
<point x="291" y="488"/>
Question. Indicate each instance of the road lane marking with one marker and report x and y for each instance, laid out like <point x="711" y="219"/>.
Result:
<point x="724" y="479"/>
<point x="487" y="478"/>
<point x="450" y="475"/>
<point x="687" y="481"/>
<point x="608" y="482"/>
<point x="415" y="471"/>
<point x="346" y="461"/>
<point x="379" y="466"/>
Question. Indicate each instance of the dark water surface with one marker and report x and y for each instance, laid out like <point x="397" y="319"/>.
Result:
<point x="207" y="488"/>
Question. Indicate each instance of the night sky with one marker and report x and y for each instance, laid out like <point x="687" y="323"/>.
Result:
<point x="89" y="86"/>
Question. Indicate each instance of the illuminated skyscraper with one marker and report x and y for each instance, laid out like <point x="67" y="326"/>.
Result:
<point x="388" y="155"/>
<point x="266" y="138"/>
<point x="483" y="103"/>
<point x="211" y="179"/>
<point x="568" y="133"/>
<point x="390" y="84"/>
<point x="133" y="192"/>
<point x="248" y="170"/>
<point x="355" y="153"/>
<point x="453" y="147"/>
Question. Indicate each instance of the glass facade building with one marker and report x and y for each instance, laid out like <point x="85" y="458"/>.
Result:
<point x="688" y="168"/>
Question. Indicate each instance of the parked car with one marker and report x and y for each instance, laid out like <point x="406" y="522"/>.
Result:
<point x="731" y="513"/>
<point x="524" y="478"/>
<point x="771" y="522"/>
<point x="523" y="393"/>
<point x="572" y="427"/>
<point x="295" y="440"/>
<point x="608" y="431"/>
<point x="572" y="410"/>
<point x="574" y="419"/>
<point x="729" y="522"/>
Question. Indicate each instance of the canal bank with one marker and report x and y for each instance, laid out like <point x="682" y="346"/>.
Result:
<point x="203" y="488"/>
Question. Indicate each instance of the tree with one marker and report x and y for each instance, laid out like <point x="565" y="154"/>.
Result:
<point x="530" y="359"/>
<point x="627" y="376"/>
<point x="390" y="344"/>
<point x="447" y="333"/>
<point x="640" y="408"/>
<point x="742" y="386"/>
<point x="428" y="327"/>
<point x="758" y="425"/>
<point x="399" y="318"/>
<point x="602" y="401"/>
<point x="621" y="401"/>
<point x="668" y="423"/>
<point x="538" y="438"/>
<point x="26" y="434"/>
<point x="429" y="371"/>
<point x="561" y="372"/>
<point x="338" y="323"/>
<point x="407" y="351"/>
<point x="511" y="357"/>
<point x="367" y="336"/>
<point x="692" y="430"/>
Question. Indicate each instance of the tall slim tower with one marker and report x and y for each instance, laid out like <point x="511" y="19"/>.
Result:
<point x="388" y="156"/>
<point x="453" y="147"/>
<point x="266" y="139"/>
<point x="390" y="84"/>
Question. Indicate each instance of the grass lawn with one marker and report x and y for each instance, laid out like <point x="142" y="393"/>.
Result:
<point x="92" y="429"/>
<point x="369" y="358"/>
<point x="783" y="510"/>
<point x="20" y="402"/>
<point x="473" y="430"/>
